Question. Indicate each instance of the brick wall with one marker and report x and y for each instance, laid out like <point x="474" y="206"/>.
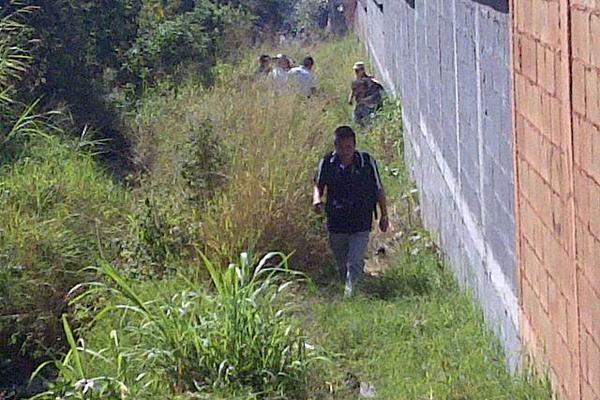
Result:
<point x="449" y="60"/>
<point x="556" y="46"/>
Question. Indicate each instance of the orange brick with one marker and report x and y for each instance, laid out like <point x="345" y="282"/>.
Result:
<point x="561" y="219"/>
<point x="595" y="39"/>
<point x="524" y="12"/>
<point x="594" y="210"/>
<point x="549" y="23"/>
<point x="572" y="324"/>
<point x="546" y="122"/>
<point x="589" y="311"/>
<point x="590" y="260"/>
<point x="556" y="122"/>
<point x="528" y="57"/>
<point x="582" y="151"/>
<point x="557" y="309"/>
<point x="588" y="393"/>
<point x="557" y="167"/>
<point x="593" y="168"/>
<point x="578" y="88"/>
<point x="582" y="204"/>
<point x="560" y="359"/>
<point x="592" y="359"/>
<point x="520" y="92"/>
<point x="560" y="266"/>
<point x="580" y="34"/>
<point x="592" y="93"/>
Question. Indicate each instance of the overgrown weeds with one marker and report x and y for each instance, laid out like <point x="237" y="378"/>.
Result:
<point x="237" y="339"/>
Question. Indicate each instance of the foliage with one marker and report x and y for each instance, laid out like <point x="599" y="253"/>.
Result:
<point x="271" y="14"/>
<point x="198" y="35"/>
<point x="156" y="240"/>
<point x="311" y="14"/>
<point x="55" y="207"/>
<point x="17" y="120"/>
<point x="239" y="337"/>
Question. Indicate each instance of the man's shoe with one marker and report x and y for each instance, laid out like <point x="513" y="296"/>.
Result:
<point x="348" y="290"/>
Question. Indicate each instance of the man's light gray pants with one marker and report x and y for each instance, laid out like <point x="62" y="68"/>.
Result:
<point x="349" y="252"/>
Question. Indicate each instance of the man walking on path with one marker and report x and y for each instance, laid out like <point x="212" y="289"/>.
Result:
<point x="306" y="81"/>
<point x="351" y="182"/>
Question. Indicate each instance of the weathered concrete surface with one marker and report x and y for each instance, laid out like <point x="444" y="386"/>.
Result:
<point x="449" y="61"/>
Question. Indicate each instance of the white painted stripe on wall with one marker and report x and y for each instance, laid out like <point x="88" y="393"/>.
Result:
<point x="498" y="278"/>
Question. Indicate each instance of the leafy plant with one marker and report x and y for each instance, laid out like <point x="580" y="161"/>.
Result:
<point x="238" y="338"/>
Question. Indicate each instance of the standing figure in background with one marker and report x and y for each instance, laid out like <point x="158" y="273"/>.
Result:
<point x="279" y="73"/>
<point x="304" y="78"/>
<point x="368" y="94"/>
<point x="264" y="66"/>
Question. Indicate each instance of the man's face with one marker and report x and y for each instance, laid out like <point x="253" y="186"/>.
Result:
<point x="345" y="148"/>
<point x="359" y="72"/>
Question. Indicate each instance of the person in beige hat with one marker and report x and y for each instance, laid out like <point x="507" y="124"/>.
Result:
<point x="367" y="92"/>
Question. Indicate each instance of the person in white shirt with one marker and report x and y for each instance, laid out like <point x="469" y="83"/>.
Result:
<point x="279" y="73"/>
<point x="304" y="78"/>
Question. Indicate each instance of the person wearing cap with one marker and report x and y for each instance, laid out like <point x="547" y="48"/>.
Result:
<point x="351" y="183"/>
<point x="304" y="78"/>
<point x="279" y="74"/>
<point x="367" y="92"/>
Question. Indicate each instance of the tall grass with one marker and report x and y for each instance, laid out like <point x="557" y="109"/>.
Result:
<point x="270" y="145"/>
<point x="236" y="340"/>
<point x="55" y="207"/>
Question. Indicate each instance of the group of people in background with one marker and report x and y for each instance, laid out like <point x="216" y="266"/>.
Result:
<point x="281" y="71"/>
<point x="366" y="92"/>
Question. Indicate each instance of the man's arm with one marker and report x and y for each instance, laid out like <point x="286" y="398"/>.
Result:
<point x="381" y="200"/>
<point x="317" y="199"/>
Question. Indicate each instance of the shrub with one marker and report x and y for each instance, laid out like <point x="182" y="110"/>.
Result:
<point x="238" y="338"/>
<point x="55" y="208"/>
<point x="197" y="36"/>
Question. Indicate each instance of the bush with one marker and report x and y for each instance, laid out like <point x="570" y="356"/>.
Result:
<point x="56" y="207"/>
<point x="239" y="338"/>
<point x="312" y="14"/>
<point x="196" y="36"/>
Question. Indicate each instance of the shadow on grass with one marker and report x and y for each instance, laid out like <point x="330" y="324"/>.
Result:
<point x="409" y="276"/>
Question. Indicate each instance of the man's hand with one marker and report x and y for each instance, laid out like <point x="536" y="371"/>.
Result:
<point x="318" y="207"/>
<point x="384" y="223"/>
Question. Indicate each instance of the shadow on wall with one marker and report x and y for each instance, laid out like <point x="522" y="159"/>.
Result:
<point x="498" y="5"/>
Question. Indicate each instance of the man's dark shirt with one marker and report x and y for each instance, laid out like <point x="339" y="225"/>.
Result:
<point x="352" y="192"/>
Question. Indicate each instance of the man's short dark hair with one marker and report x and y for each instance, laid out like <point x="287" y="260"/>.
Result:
<point x="344" y="132"/>
<point x="264" y="57"/>
<point x="308" y="62"/>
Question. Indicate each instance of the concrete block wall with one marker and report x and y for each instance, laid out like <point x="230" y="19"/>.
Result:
<point x="449" y="61"/>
